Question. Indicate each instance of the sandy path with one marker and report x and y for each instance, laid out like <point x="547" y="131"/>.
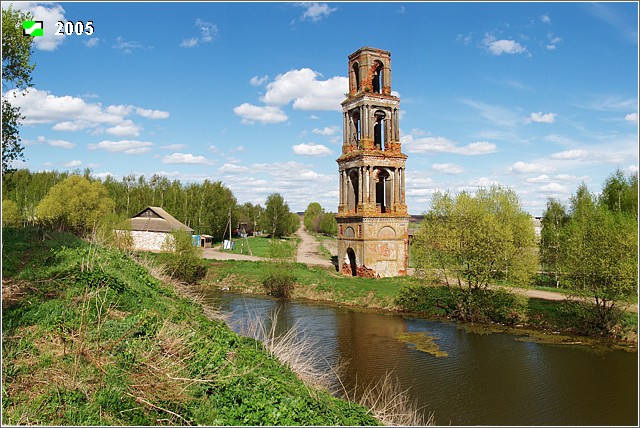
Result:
<point x="309" y="249"/>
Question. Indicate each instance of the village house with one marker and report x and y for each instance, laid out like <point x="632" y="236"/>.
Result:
<point x="151" y="227"/>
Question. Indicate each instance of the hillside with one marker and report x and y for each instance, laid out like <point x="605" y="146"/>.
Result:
<point x="91" y="338"/>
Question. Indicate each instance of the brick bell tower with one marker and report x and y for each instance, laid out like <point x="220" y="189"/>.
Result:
<point x="372" y="213"/>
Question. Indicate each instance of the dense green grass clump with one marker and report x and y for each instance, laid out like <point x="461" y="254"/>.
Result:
<point x="91" y="338"/>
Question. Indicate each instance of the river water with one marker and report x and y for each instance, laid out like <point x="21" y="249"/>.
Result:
<point x="486" y="379"/>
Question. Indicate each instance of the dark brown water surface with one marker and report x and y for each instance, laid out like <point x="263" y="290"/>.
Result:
<point x="486" y="379"/>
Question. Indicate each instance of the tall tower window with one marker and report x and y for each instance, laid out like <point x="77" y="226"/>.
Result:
<point x="356" y="76"/>
<point x="382" y="191"/>
<point x="353" y="191"/>
<point x="355" y="120"/>
<point x="378" y="78"/>
<point x="378" y="130"/>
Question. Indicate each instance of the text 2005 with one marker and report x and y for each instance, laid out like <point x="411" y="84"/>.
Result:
<point x="69" y="28"/>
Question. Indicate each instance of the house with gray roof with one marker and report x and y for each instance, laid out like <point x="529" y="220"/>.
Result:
<point x="151" y="228"/>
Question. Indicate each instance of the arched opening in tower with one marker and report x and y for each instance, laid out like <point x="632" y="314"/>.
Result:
<point x="378" y="76"/>
<point x="353" y="192"/>
<point x="352" y="261"/>
<point x="356" y="76"/>
<point x="383" y="195"/>
<point x="355" y="120"/>
<point x="378" y="130"/>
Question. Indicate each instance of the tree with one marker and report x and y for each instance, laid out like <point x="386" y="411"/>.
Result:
<point x="75" y="204"/>
<point x="470" y="241"/>
<point x="328" y="224"/>
<point x="311" y="214"/>
<point x="10" y="214"/>
<point x="277" y="218"/>
<point x="600" y="254"/>
<point x="620" y="194"/>
<point x="553" y="221"/>
<point x="16" y="74"/>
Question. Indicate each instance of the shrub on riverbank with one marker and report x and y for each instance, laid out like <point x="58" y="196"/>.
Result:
<point x="90" y="338"/>
<point x="481" y="306"/>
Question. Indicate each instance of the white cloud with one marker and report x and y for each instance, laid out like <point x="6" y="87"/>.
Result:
<point x="258" y="81"/>
<point x="186" y="158"/>
<point x="444" y="145"/>
<point x="328" y="130"/>
<point x="554" y="188"/>
<point x="173" y="147"/>
<point x="539" y="117"/>
<point x="483" y="182"/>
<point x="546" y="19"/>
<point x="311" y="149"/>
<point x="72" y="164"/>
<point x="315" y="11"/>
<point x="499" y="47"/>
<point x="126" y="46"/>
<point x="497" y="115"/>
<point x="230" y="168"/>
<point x="49" y="14"/>
<point x="92" y="42"/>
<point x="129" y="147"/>
<point x="577" y="154"/>
<point x="306" y="91"/>
<point x="527" y="168"/>
<point x="632" y="117"/>
<point x="208" y="31"/>
<point x="189" y="43"/>
<point x="265" y="114"/>
<point x="61" y="143"/>
<point x="152" y="114"/>
<point x="448" y="168"/>
<point x="125" y="129"/>
<point x="572" y="178"/>
<point x="539" y="179"/>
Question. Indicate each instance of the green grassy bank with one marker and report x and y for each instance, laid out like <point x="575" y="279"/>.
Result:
<point x="414" y="296"/>
<point x="91" y="338"/>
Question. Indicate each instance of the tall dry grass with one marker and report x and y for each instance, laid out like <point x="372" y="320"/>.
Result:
<point x="385" y="398"/>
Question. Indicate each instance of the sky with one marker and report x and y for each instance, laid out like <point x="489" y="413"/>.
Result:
<point x="538" y="97"/>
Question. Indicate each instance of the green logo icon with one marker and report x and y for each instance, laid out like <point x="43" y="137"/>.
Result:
<point x="33" y="28"/>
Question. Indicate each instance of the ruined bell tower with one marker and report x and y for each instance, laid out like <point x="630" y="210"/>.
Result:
<point x="372" y="213"/>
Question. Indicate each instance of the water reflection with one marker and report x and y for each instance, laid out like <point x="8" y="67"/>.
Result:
<point x="487" y="379"/>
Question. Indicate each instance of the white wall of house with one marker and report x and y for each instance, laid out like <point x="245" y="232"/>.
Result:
<point x="149" y="241"/>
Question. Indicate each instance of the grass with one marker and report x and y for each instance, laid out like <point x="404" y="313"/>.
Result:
<point x="90" y="337"/>
<point x="260" y="246"/>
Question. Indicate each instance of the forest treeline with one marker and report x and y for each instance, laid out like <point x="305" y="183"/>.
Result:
<point x="205" y="206"/>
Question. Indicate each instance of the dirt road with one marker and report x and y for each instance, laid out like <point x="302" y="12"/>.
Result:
<point x="309" y="249"/>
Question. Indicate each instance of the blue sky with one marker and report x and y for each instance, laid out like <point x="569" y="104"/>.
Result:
<point x="538" y="97"/>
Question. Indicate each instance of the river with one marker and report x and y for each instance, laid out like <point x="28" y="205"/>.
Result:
<point x="485" y="379"/>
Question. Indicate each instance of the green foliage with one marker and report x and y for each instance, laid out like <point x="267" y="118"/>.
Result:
<point x="279" y="284"/>
<point x="277" y="220"/>
<point x="551" y="240"/>
<point x="477" y="239"/>
<point x="75" y="204"/>
<point x="328" y="224"/>
<point x="478" y="306"/>
<point x="314" y="209"/>
<point x="600" y="253"/>
<point x="16" y="73"/>
<point x="10" y="214"/>
<point x="181" y="259"/>
<point x="620" y="193"/>
<point x="115" y="232"/>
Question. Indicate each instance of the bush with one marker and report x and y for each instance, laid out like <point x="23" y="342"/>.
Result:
<point x="585" y="319"/>
<point x="182" y="260"/>
<point x="482" y="306"/>
<point x="279" y="284"/>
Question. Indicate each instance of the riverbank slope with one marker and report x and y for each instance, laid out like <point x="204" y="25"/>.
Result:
<point x="91" y="338"/>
